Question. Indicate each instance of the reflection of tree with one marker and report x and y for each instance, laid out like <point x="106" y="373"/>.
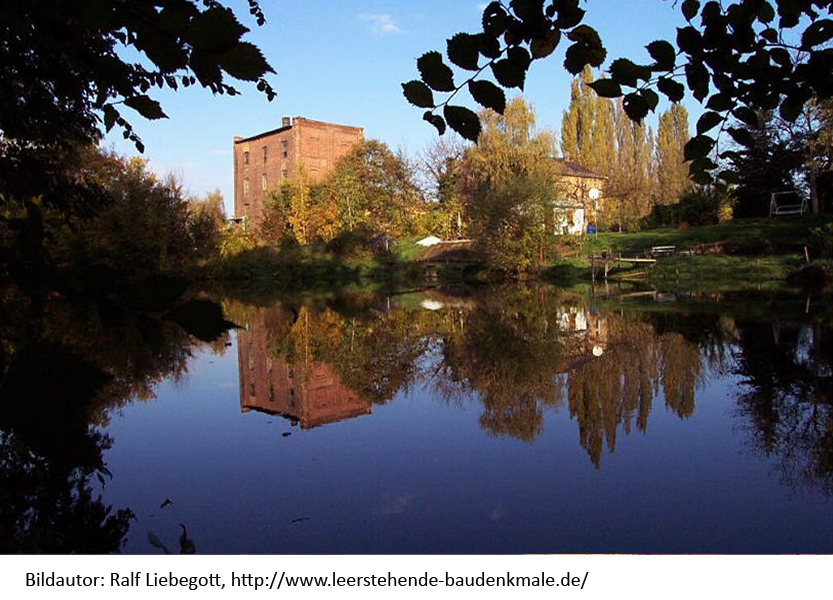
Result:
<point x="787" y="399"/>
<point x="64" y="365"/>
<point x="519" y="350"/>
<point x="606" y="392"/>
<point x="52" y="509"/>
<point x="508" y="352"/>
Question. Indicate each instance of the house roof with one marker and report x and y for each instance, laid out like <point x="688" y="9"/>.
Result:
<point x="569" y="168"/>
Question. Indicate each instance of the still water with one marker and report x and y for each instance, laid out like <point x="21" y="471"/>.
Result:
<point x="501" y="420"/>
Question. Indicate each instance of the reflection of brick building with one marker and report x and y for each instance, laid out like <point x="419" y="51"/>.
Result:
<point x="310" y="393"/>
<point x="264" y="161"/>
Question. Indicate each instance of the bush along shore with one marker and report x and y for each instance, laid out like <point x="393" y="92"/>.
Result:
<point x="747" y="254"/>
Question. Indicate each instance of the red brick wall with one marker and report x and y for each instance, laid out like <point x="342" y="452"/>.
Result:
<point x="314" y="144"/>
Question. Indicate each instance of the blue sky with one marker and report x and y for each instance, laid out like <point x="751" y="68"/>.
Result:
<point x="343" y="61"/>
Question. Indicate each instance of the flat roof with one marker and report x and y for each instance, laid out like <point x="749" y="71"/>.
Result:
<point x="288" y="127"/>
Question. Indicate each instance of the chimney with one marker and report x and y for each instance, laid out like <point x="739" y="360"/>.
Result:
<point x="286" y="122"/>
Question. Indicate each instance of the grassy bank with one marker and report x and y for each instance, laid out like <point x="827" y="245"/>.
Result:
<point x="745" y="254"/>
<point x="750" y="254"/>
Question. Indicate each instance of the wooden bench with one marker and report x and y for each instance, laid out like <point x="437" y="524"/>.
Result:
<point x="662" y="250"/>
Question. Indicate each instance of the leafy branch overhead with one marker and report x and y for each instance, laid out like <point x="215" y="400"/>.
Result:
<point x="63" y="72"/>
<point x="736" y="58"/>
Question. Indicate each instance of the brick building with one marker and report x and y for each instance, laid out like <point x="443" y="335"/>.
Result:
<point x="264" y="161"/>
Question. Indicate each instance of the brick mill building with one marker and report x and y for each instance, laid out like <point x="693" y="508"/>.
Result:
<point x="264" y="161"/>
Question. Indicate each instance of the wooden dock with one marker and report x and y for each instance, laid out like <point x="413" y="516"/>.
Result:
<point x="609" y="262"/>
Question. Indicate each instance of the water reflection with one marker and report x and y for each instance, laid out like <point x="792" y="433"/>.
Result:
<point x="519" y="352"/>
<point x="291" y="382"/>
<point x="516" y="355"/>
<point x="65" y="367"/>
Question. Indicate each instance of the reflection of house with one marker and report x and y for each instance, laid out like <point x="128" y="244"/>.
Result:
<point x="578" y="191"/>
<point x="264" y="161"/>
<point x="585" y="329"/>
<point x="311" y="393"/>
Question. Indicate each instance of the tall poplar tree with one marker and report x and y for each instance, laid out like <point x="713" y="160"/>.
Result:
<point x="672" y="171"/>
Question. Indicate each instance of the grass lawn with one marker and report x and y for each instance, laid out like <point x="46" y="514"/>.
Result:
<point x="759" y="254"/>
<point x="749" y="236"/>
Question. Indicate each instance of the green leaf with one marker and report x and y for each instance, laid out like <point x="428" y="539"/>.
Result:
<point x="770" y="35"/>
<point x="663" y="53"/>
<point x="494" y="19"/>
<point x="569" y="14"/>
<point x="697" y="78"/>
<point x="145" y="106"/>
<point x="462" y="51"/>
<point x="698" y="147"/>
<point x="765" y="12"/>
<point x="635" y="105"/>
<point x="245" y="61"/>
<point x="544" y="46"/>
<point x="488" y="45"/>
<point x="418" y="94"/>
<point x="587" y="49"/>
<point x="488" y="95"/>
<point x="215" y="30"/>
<point x="720" y="102"/>
<point x="110" y="116"/>
<point x="817" y="33"/>
<point x="575" y="58"/>
<point x="508" y="74"/>
<point x="527" y="10"/>
<point x="746" y="115"/>
<point x="435" y="72"/>
<point x="627" y="72"/>
<point x="690" y="41"/>
<point x="463" y="121"/>
<point x="709" y="120"/>
<point x="435" y="120"/>
<point x="790" y="109"/>
<point x="651" y="98"/>
<point x="519" y="56"/>
<point x="606" y="88"/>
<point x="673" y="90"/>
<point x="690" y="8"/>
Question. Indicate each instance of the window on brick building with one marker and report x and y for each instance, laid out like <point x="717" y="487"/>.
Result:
<point x="284" y="174"/>
<point x="246" y="186"/>
<point x="263" y="181"/>
<point x="265" y="153"/>
<point x="284" y="148"/>
<point x="246" y="158"/>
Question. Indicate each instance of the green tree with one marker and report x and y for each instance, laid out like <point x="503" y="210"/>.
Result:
<point x="509" y="187"/>
<point x="766" y="163"/>
<point x="672" y="173"/>
<point x="64" y="72"/>
<point x="587" y="131"/>
<point x="374" y="189"/>
<point x="206" y="220"/>
<point x="629" y="195"/>
<point x="68" y="75"/>
<point x="440" y="166"/>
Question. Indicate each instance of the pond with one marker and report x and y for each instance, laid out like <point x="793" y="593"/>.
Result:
<point x="449" y="420"/>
